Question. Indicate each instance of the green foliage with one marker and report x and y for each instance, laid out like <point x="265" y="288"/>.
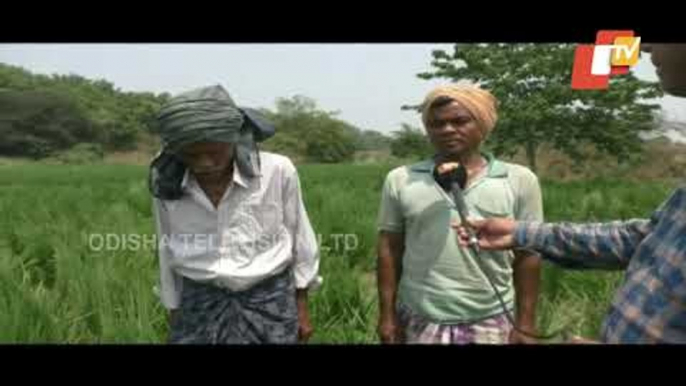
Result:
<point x="331" y="144"/>
<point x="302" y="129"/>
<point x="83" y="153"/>
<point x="94" y="111"/>
<point x="537" y="104"/>
<point x="373" y="140"/>
<point x="410" y="142"/>
<point x="36" y="123"/>
<point x="99" y="113"/>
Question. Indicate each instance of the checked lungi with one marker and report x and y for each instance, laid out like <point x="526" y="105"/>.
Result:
<point x="419" y="330"/>
<point x="263" y="314"/>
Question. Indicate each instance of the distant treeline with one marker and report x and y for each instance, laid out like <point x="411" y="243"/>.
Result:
<point x="43" y="115"/>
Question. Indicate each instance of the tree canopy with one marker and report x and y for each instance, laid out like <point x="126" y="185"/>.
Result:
<point x="537" y="104"/>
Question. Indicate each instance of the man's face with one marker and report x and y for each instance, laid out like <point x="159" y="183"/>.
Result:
<point x="208" y="159"/>
<point x="452" y="130"/>
<point x="670" y="63"/>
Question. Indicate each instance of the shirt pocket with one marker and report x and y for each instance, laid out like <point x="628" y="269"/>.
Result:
<point x="267" y="215"/>
<point x="187" y="219"/>
<point x="492" y="210"/>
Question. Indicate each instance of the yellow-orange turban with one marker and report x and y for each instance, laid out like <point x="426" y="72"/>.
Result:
<point x="479" y="102"/>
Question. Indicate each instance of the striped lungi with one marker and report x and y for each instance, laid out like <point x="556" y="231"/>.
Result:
<point x="419" y="330"/>
<point x="265" y="313"/>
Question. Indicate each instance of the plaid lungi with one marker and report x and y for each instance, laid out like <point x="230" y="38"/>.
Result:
<point x="420" y="330"/>
<point x="265" y="313"/>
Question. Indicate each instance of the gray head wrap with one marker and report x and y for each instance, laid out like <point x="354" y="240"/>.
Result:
<point x="205" y="114"/>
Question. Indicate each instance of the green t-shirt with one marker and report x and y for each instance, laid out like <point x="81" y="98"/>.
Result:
<point x="441" y="280"/>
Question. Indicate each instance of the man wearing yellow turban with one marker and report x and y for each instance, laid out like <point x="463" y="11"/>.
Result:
<point x="431" y="289"/>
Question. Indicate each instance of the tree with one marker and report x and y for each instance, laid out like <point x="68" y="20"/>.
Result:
<point x="302" y="129"/>
<point x="295" y="106"/>
<point x="410" y="142"/>
<point x="373" y="140"/>
<point x="537" y="104"/>
<point x="121" y="117"/>
<point x="330" y="144"/>
<point x="35" y="123"/>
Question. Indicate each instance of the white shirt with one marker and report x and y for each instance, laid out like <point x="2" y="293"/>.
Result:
<point x="259" y="228"/>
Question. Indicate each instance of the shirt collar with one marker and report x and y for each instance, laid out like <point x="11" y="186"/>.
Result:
<point x="186" y="179"/>
<point x="238" y="178"/>
<point x="496" y="169"/>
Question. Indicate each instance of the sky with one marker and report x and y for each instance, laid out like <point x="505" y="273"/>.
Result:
<point x="366" y="83"/>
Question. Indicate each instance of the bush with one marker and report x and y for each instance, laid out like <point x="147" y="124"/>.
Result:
<point x="330" y="144"/>
<point x="305" y="130"/>
<point x="410" y="142"/>
<point x="37" y="123"/>
<point x="82" y="153"/>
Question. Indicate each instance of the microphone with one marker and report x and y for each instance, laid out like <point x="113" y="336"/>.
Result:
<point x="453" y="180"/>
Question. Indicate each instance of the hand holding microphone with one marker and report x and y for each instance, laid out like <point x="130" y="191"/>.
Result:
<point x="452" y="177"/>
<point x="492" y="234"/>
<point x="489" y="234"/>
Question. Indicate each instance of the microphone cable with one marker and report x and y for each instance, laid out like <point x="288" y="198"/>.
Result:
<point x="452" y="181"/>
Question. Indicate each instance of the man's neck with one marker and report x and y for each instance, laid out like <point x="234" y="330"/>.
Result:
<point x="471" y="160"/>
<point x="223" y="179"/>
<point x="215" y="187"/>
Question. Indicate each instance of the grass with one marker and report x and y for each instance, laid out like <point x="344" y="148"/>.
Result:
<point x="55" y="289"/>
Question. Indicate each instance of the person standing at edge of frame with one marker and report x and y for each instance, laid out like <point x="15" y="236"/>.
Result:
<point x="650" y="305"/>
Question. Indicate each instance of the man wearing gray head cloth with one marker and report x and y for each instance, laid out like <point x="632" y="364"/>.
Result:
<point x="236" y="248"/>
